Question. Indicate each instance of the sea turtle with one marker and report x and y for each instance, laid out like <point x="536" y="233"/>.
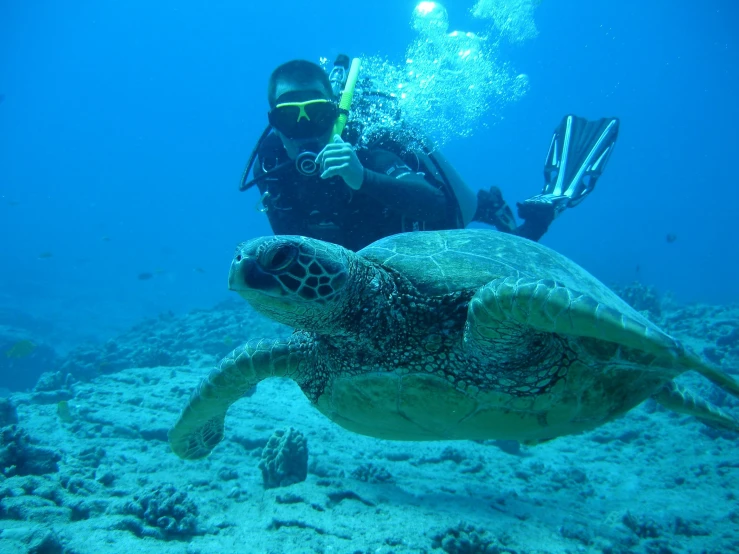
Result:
<point x="433" y="335"/>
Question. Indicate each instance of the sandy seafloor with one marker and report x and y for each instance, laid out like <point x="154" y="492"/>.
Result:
<point x="106" y="481"/>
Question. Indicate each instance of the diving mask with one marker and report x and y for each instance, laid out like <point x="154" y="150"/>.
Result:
<point x="301" y="120"/>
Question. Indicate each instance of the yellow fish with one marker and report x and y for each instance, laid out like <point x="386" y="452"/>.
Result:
<point x="20" y="349"/>
<point x="63" y="411"/>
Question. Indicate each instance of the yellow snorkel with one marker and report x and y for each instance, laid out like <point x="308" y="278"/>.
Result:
<point x="346" y="96"/>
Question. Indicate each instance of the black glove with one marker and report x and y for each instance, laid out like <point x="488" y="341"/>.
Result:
<point x="492" y="209"/>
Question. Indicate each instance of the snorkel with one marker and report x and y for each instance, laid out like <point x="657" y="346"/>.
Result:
<point x="305" y="162"/>
<point x="347" y="96"/>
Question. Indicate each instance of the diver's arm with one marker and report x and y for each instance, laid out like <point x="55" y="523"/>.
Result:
<point x="389" y="180"/>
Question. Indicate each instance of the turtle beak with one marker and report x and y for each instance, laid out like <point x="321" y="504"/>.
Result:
<point x="241" y="267"/>
<point x="248" y="278"/>
<point x="245" y="275"/>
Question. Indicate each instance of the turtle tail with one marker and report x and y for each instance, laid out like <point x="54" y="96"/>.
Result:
<point x="681" y="400"/>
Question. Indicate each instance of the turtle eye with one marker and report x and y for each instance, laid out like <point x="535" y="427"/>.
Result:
<point x="278" y="258"/>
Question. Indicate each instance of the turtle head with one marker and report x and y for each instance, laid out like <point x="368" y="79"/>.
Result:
<point x="297" y="281"/>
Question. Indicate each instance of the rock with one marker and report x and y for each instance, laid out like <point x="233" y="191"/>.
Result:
<point x="19" y="457"/>
<point x="167" y="511"/>
<point x="284" y="459"/>
<point x="642" y="298"/>
<point x="467" y="539"/>
<point x="8" y="414"/>
<point x="370" y="473"/>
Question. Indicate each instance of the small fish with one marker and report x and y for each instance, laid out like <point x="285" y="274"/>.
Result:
<point x="227" y="340"/>
<point x="20" y="349"/>
<point x="671" y="237"/>
<point x="199" y="270"/>
<point x="2" y="98"/>
<point x="63" y="411"/>
<point x="145" y="276"/>
<point x="105" y="239"/>
<point x="45" y="255"/>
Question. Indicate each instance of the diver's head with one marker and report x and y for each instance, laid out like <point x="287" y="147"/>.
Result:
<point x="303" y="108"/>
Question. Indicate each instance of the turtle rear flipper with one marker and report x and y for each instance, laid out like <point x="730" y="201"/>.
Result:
<point x="681" y="400"/>
<point x="713" y="374"/>
<point x="200" y="426"/>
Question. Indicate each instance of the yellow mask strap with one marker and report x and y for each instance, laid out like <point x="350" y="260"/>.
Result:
<point x="301" y="106"/>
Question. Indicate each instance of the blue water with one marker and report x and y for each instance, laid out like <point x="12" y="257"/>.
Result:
<point x="125" y="126"/>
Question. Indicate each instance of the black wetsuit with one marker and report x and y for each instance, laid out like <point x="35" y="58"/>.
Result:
<point x="397" y="195"/>
<point x="393" y="198"/>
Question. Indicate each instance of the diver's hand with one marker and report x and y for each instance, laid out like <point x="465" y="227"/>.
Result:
<point x="339" y="158"/>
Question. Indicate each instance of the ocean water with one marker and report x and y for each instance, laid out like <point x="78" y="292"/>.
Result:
<point x="124" y="129"/>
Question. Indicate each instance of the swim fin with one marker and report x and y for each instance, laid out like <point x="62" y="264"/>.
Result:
<point x="577" y="156"/>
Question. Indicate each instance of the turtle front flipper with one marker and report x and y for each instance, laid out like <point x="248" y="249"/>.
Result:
<point x="545" y="306"/>
<point x="712" y="373"/>
<point x="200" y="426"/>
<point x="523" y="328"/>
<point x="548" y="306"/>
<point x="681" y="400"/>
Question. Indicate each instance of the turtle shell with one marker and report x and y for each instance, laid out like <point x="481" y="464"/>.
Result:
<point x="442" y="262"/>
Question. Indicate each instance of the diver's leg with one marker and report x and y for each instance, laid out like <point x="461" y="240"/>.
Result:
<point x="493" y="210"/>
<point x="537" y="217"/>
<point x="578" y="153"/>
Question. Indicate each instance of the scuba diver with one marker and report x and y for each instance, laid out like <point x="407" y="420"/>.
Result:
<point x="314" y="181"/>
